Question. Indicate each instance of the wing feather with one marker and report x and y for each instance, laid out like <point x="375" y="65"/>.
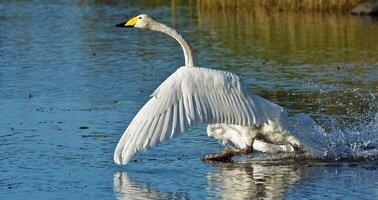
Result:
<point x="167" y="126"/>
<point x="158" y="129"/>
<point x="174" y="119"/>
<point x="188" y="96"/>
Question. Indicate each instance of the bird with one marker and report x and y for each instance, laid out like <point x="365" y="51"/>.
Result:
<point x="241" y="120"/>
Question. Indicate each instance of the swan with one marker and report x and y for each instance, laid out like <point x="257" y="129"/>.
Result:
<point x="191" y="95"/>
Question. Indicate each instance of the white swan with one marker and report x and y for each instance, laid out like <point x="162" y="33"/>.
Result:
<point x="192" y="95"/>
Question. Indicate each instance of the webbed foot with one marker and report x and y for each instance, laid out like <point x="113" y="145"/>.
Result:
<point x="226" y="154"/>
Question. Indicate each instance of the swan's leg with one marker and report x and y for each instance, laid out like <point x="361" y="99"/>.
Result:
<point x="226" y="154"/>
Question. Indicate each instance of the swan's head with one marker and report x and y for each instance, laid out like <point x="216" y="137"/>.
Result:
<point x="141" y="21"/>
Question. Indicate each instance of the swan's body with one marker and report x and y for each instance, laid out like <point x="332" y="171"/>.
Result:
<point x="194" y="95"/>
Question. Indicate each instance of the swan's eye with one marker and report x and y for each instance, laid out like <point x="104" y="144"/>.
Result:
<point x="140" y="17"/>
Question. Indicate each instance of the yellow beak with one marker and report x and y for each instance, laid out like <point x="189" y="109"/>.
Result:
<point x="130" y="23"/>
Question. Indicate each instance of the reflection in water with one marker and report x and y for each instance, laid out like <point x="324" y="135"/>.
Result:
<point x="252" y="181"/>
<point x="81" y="70"/>
<point x="227" y="181"/>
<point x="125" y="188"/>
<point x="334" y="52"/>
<point x="301" y="5"/>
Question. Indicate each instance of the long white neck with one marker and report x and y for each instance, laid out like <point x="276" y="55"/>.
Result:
<point x="189" y="61"/>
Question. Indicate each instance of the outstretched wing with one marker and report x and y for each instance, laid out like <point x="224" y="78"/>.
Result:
<point x="188" y="96"/>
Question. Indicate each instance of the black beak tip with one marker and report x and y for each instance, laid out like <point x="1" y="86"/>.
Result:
<point x="121" y="24"/>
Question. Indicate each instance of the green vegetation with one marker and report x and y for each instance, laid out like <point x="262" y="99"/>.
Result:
<point x="279" y="5"/>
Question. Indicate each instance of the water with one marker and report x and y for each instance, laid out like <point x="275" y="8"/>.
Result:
<point x="70" y="82"/>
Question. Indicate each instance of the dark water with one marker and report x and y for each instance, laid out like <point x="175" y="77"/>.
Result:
<point x="70" y="82"/>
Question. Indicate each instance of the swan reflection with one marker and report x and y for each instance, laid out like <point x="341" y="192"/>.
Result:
<point x="125" y="189"/>
<point x="252" y="181"/>
<point x="227" y="181"/>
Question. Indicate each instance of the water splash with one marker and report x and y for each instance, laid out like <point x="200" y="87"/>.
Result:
<point x="351" y="135"/>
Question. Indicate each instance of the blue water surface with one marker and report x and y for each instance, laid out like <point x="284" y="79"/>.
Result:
<point x="71" y="82"/>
